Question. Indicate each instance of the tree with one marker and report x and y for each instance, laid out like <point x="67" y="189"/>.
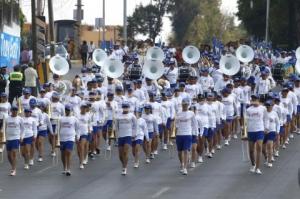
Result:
<point x="209" y="23"/>
<point x="147" y="20"/>
<point x="284" y="20"/>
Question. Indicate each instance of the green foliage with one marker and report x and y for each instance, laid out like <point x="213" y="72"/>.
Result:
<point x="284" y="20"/>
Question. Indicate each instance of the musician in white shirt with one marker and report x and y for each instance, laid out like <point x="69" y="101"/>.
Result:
<point x="297" y="92"/>
<point x="140" y="138"/>
<point x="126" y="127"/>
<point x="270" y="136"/>
<point x="206" y="80"/>
<point x="30" y="133"/>
<point x="68" y="133"/>
<point x="257" y="124"/>
<point x="4" y="112"/>
<point x="84" y="131"/>
<point x="171" y="73"/>
<point x="14" y="133"/>
<point x="186" y="126"/>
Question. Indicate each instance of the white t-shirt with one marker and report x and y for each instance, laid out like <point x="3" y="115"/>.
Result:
<point x="14" y="128"/>
<point x="30" y="77"/>
<point x="257" y="118"/>
<point x="68" y="128"/>
<point x="186" y="123"/>
<point x="142" y="130"/>
<point x="30" y="127"/>
<point x="126" y="125"/>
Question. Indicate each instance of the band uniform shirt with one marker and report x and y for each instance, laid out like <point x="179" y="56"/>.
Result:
<point x="68" y="128"/>
<point x="98" y="110"/>
<point x="142" y="130"/>
<point x="274" y="123"/>
<point x="186" y="123"/>
<point x="84" y="124"/>
<point x="14" y="128"/>
<point x="171" y="75"/>
<point x="111" y="110"/>
<point x="5" y="109"/>
<point x="46" y="124"/>
<point x="126" y="125"/>
<point x="257" y="118"/>
<point x="57" y="111"/>
<point x="207" y="83"/>
<point x="30" y="127"/>
<point x="151" y="123"/>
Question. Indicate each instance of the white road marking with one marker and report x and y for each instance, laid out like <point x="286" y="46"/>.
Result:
<point x="42" y="170"/>
<point x="160" y="192"/>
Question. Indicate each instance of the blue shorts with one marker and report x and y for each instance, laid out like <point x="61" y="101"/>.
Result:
<point x="107" y="125"/>
<point x="12" y="145"/>
<point x="255" y="136"/>
<point x="210" y="133"/>
<point x="270" y="137"/>
<point x="138" y="141"/>
<point x="183" y="142"/>
<point x="298" y="109"/>
<point x="242" y="109"/>
<point x="42" y="133"/>
<point x="229" y="119"/>
<point x="288" y="118"/>
<point x="53" y="127"/>
<point x="160" y="129"/>
<point x="281" y="131"/>
<point x="151" y="134"/>
<point x="205" y="132"/>
<point x="68" y="145"/>
<point x="27" y="141"/>
<point x="84" y="137"/>
<point x="124" y="140"/>
<point x="194" y="139"/>
<point x="169" y="122"/>
<point x="96" y="129"/>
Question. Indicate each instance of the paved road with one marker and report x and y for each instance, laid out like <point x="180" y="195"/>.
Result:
<point x="225" y="176"/>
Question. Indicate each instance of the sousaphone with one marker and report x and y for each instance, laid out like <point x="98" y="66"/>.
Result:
<point x="99" y="56"/>
<point x="153" y="69"/>
<point x="229" y="65"/>
<point x="191" y="54"/>
<point x="59" y="65"/>
<point x="245" y="54"/>
<point x="113" y="67"/>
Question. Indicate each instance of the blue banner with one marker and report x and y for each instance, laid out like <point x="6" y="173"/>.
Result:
<point x="9" y="50"/>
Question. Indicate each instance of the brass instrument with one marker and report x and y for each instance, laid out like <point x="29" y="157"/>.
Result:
<point x="110" y="134"/>
<point x="57" y="136"/>
<point x="49" y="110"/>
<point x="20" y="108"/>
<point x="2" y="137"/>
<point x="244" y="132"/>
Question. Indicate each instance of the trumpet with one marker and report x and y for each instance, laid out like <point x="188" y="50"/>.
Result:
<point x="244" y="132"/>
<point x="20" y="109"/>
<point x="57" y="136"/>
<point x="49" y="110"/>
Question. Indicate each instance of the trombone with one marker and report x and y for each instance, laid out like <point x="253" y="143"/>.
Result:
<point x="2" y="137"/>
<point x="172" y="138"/>
<point x="20" y="108"/>
<point x="244" y="138"/>
<point x="110" y="133"/>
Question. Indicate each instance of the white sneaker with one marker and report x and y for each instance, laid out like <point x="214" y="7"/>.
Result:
<point x="276" y="153"/>
<point x="200" y="159"/>
<point x="124" y="171"/>
<point x="53" y="154"/>
<point x="31" y="163"/>
<point x="26" y="166"/>
<point x="257" y="171"/>
<point x="171" y="143"/>
<point x="226" y="143"/>
<point x="219" y="147"/>
<point x="252" y="169"/>
<point x="108" y="148"/>
<point x="193" y="165"/>
<point x="12" y="173"/>
<point x="185" y="172"/>
<point x="165" y="147"/>
<point x="136" y="165"/>
<point x="272" y="159"/>
<point x="270" y="165"/>
<point x="292" y="136"/>
<point x="213" y="151"/>
<point x="81" y="166"/>
<point x="151" y="156"/>
<point x="40" y="159"/>
<point x="284" y="146"/>
<point x="298" y="132"/>
<point x="235" y="136"/>
<point x="209" y="155"/>
<point x="181" y="170"/>
<point x="86" y="160"/>
<point x="155" y="152"/>
<point x="1" y="150"/>
<point x="147" y="160"/>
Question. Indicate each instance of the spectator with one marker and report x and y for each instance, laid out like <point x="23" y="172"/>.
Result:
<point x="25" y="56"/>
<point x="84" y="52"/>
<point x="31" y="79"/>
<point x="91" y="50"/>
<point x="15" y="84"/>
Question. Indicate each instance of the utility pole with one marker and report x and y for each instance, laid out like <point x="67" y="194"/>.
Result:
<point x="267" y="21"/>
<point x="51" y="27"/>
<point x="103" y="31"/>
<point x="125" y="22"/>
<point x="78" y="18"/>
<point x="39" y="8"/>
<point x="33" y="29"/>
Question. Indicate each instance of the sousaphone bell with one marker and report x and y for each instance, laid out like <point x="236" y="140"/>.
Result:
<point x="191" y="54"/>
<point x="298" y="53"/>
<point x="229" y="65"/>
<point x="155" y="53"/>
<point x="99" y="56"/>
<point x="153" y="69"/>
<point x="113" y="67"/>
<point x="245" y="54"/>
<point x="59" y="65"/>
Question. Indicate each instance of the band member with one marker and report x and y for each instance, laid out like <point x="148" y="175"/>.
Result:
<point x="202" y="115"/>
<point x="14" y="132"/>
<point x="152" y="131"/>
<point x="287" y="104"/>
<point x="74" y="101"/>
<point x="111" y="111"/>
<point x="170" y="112"/>
<point x="195" y="136"/>
<point x="297" y="92"/>
<point x="257" y="123"/>
<point x="57" y="110"/>
<point x="206" y="81"/>
<point x="30" y="133"/>
<point x="84" y="131"/>
<point x="133" y="101"/>
<point x="212" y="123"/>
<point x="171" y="73"/>
<point x="43" y="129"/>
<point x="68" y="133"/>
<point x="4" y="112"/>
<point x="270" y="136"/>
<point x="98" y="114"/>
<point x="294" y="101"/>
<point x="141" y="136"/>
<point x="24" y="99"/>
<point x="186" y="126"/>
<point x="126" y="127"/>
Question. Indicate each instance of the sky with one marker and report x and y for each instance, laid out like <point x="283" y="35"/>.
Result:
<point x="63" y="9"/>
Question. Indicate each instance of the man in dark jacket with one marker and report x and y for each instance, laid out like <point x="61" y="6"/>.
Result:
<point x="16" y="84"/>
<point x="3" y="80"/>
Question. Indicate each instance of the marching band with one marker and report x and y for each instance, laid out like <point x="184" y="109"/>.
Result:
<point x="202" y="112"/>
